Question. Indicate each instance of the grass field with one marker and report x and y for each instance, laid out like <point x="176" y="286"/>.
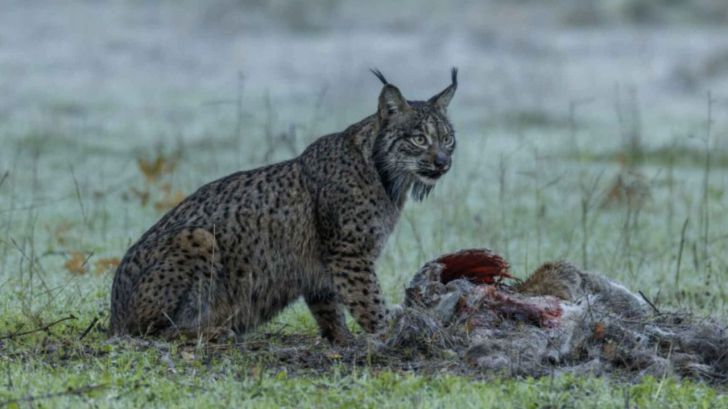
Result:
<point x="604" y="146"/>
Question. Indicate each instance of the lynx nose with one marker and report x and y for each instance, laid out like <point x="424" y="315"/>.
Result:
<point x="441" y="161"/>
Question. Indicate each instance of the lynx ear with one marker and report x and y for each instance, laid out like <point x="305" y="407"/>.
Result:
<point x="391" y="101"/>
<point x="442" y="100"/>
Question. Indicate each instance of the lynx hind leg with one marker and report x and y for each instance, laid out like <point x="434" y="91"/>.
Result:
<point x="329" y="315"/>
<point x="180" y="294"/>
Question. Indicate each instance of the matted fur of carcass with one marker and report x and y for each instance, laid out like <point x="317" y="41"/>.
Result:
<point x="560" y="320"/>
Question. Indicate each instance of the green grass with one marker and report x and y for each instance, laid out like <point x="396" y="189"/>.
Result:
<point x="57" y="370"/>
<point x="526" y="206"/>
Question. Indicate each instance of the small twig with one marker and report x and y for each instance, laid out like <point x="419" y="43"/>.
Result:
<point x="587" y="203"/>
<point x="704" y="203"/>
<point x="131" y="389"/>
<point x="68" y="392"/>
<point x="88" y="329"/>
<point x="679" y="255"/>
<point x="78" y="195"/>
<point x="39" y="329"/>
<point x="5" y="176"/>
<point x="85" y="261"/>
<point x="647" y="300"/>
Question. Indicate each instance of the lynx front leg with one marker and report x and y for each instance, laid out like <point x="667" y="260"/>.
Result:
<point x="357" y="286"/>
<point x="329" y="315"/>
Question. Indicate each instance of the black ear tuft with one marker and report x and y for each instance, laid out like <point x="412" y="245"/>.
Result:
<point x="391" y="101"/>
<point x="442" y="100"/>
<point x="379" y="75"/>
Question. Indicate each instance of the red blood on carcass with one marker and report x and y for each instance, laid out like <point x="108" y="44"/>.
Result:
<point x="544" y="311"/>
<point x="480" y="266"/>
<point x="483" y="267"/>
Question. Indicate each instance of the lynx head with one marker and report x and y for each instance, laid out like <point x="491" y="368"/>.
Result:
<point x="416" y="141"/>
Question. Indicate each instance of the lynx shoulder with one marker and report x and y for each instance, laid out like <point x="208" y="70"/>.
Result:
<point x="241" y="248"/>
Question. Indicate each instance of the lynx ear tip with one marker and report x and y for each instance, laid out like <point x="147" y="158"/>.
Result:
<point x="454" y="75"/>
<point x="379" y="75"/>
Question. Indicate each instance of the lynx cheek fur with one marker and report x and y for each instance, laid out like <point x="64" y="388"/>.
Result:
<point x="241" y="248"/>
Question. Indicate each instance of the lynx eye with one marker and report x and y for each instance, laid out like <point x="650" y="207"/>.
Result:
<point x="419" y="140"/>
<point x="447" y="139"/>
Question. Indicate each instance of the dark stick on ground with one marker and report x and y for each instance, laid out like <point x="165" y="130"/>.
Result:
<point x="89" y="328"/>
<point x="647" y="300"/>
<point x="69" y="392"/>
<point x="39" y="329"/>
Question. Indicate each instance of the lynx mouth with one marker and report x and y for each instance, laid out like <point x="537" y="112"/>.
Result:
<point x="429" y="177"/>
